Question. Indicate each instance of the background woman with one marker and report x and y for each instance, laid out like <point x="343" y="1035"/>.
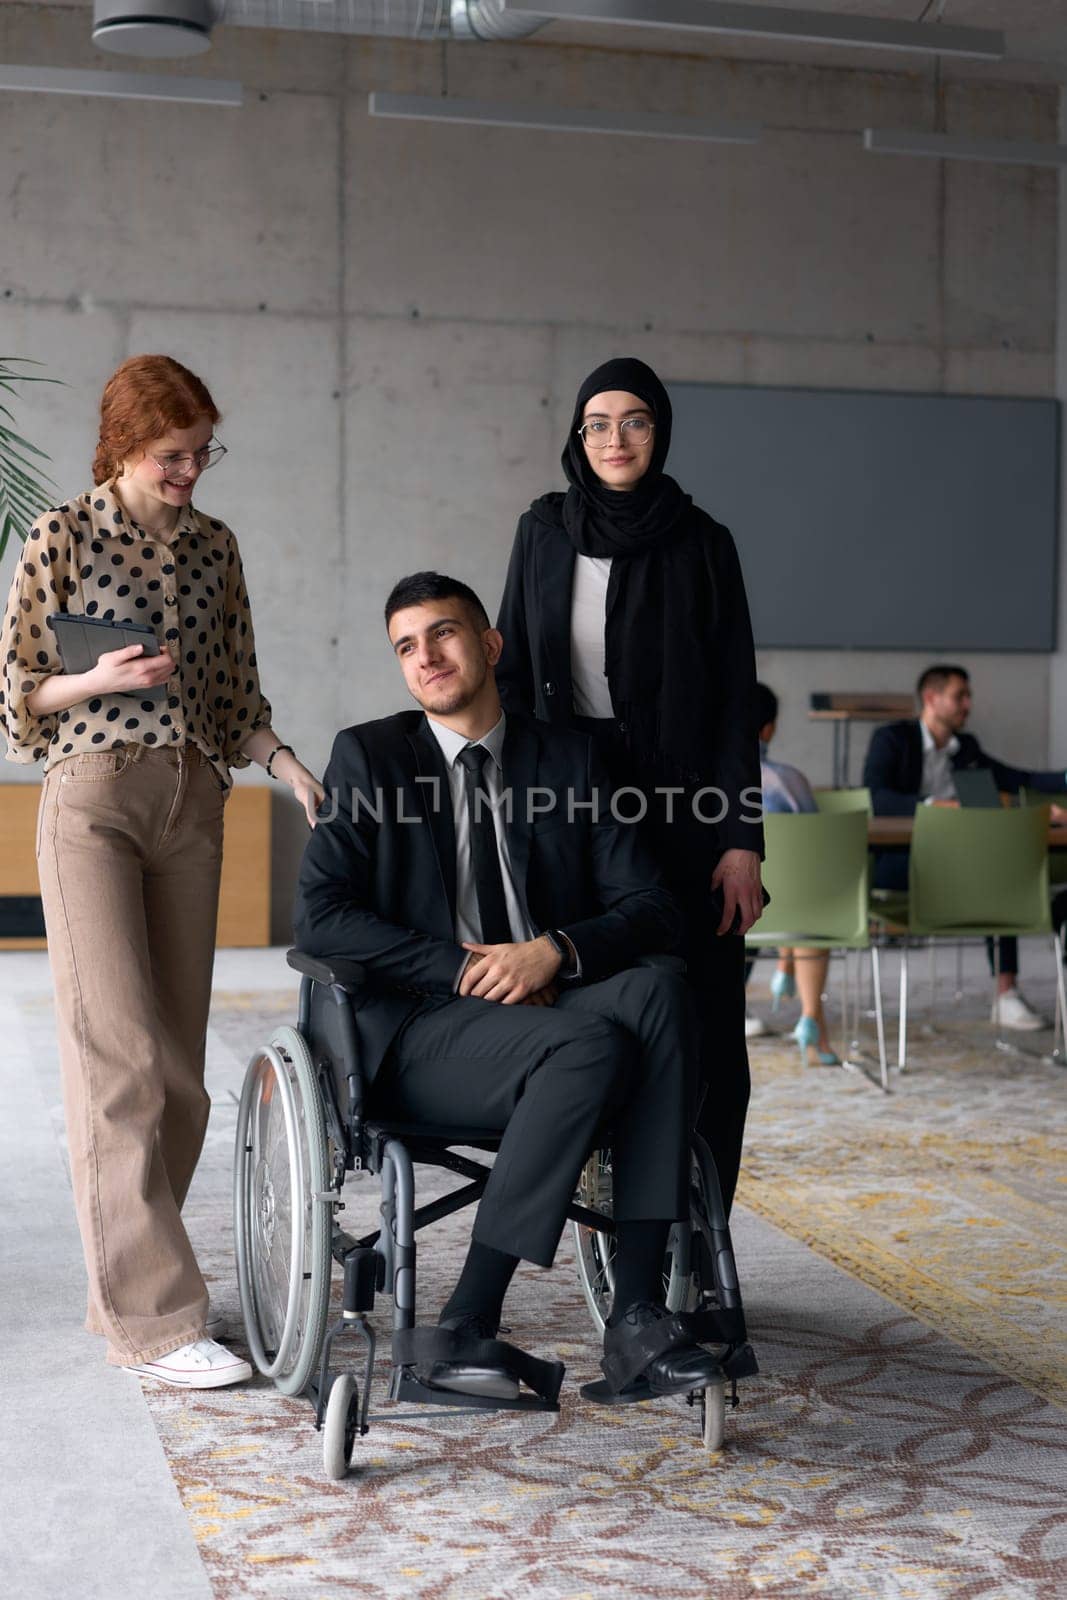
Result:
<point x="625" y="614"/>
<point x="785" y="788"/>
<point x="137" y="756"/>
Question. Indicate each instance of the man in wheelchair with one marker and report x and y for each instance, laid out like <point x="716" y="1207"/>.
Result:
<point x="474" y="866"/>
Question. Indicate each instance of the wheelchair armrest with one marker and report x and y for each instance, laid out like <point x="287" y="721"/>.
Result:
<point x="335" y="972"/>
<point x="664" y="962"/>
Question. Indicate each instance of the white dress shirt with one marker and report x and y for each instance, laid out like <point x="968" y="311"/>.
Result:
<point x="589" y="608"/>
<point x="938" y="780"/>
<point x="468" y="922"/>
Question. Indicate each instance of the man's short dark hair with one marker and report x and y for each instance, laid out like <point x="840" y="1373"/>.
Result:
<point x="420" y="587"/>
<point x="938" y="676"/>
<point x="766" y="706"/>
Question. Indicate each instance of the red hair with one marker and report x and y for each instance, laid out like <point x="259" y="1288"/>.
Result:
<point x="146" y="398"/>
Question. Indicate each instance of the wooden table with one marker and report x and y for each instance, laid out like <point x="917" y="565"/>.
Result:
<point x="883" y="831"/>
<point x="842" y="709"/>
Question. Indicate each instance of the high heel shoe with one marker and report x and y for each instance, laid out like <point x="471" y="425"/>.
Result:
<point x="783" y="987"/>
<point x="806" y="1034"/>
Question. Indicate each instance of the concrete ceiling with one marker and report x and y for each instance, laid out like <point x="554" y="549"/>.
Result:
<point x="1036" y="33"/>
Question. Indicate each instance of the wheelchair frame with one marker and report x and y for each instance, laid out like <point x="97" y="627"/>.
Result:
<point x="325" y="1139"/>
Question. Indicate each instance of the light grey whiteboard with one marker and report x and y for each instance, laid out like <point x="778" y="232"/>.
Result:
<point x="880" y="521"/>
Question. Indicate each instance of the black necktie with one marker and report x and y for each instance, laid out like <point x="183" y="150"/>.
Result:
<point x="485" y="857"/>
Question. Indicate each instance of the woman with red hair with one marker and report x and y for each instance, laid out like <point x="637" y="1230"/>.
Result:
<point x="138" y="752"/>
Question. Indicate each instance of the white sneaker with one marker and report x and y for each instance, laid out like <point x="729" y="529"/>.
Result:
<point x="1010" y="1010"/>
<point x="201" y="1365"/>
<point x="215" y="1322"/>
<point x="755" y="1027"/>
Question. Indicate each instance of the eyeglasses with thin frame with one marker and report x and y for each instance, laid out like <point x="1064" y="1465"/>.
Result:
<point x="209" y="455"/>
<point x="597" y="433"/>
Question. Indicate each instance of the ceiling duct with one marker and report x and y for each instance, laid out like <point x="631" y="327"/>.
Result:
<point x="388" y="19"/>
<point x="160" y="28"/>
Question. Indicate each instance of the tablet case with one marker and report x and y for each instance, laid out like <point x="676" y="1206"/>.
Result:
<point x="83" y="640"/>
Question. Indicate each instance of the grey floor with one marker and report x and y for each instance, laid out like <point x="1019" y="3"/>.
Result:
<point x="89" y="1507"/>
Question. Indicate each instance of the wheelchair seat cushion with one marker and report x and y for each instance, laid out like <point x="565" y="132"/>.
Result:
<point x="421" y="1349"/>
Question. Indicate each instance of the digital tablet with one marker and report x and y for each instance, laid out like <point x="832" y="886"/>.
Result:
<point x="83" y="640"/>
<point x="976" y="786"/>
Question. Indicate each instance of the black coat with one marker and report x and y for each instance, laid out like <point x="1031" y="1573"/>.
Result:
<point x="893" y="769"/>
<point x="534" y="673"/>
<point x="381" y="889"/>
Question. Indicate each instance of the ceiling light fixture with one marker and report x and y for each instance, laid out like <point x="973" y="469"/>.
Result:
<point x="556" y="119"/>
<point x="771" y="22"/>
<point x="949" y="147"/>
<point x="122" y="85"/>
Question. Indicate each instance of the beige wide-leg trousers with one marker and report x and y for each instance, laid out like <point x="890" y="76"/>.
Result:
<point x="129" y="850"/>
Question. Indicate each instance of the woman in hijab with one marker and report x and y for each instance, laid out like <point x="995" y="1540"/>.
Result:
<point x="624" y="615"/>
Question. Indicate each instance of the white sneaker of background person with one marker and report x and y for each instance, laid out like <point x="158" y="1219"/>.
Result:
<point x="1010" y="1010"/>
<point x="200" y="1365"/>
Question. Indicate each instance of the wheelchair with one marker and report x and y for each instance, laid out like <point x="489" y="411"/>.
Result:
<point x="303" y="1126"/>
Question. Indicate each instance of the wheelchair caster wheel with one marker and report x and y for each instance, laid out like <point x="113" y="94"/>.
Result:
<point x="340" y="1425"/>
<point x="713" y="1416"/>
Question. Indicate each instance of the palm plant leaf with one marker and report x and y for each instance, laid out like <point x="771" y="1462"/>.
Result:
<point x="24" y="488"/>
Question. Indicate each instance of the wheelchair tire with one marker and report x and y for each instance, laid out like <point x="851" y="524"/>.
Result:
<point x="713" y="1416"/>
<point x="340" y="1425"/>
<point x="283" y="1217"/>
<point x="595" y="1251"/>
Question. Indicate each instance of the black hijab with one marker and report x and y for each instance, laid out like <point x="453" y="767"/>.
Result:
<point x="661" y="599"/>
<point x="613" y="522"/>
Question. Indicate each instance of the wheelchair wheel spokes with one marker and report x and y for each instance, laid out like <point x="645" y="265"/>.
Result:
<point x="595" y="1250"/>
<point x="282" y="1227"/>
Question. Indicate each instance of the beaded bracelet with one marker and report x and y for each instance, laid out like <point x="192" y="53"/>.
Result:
<point x="278" y="748"/>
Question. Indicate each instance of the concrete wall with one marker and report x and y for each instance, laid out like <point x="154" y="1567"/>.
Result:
<point x="393" y="317"/>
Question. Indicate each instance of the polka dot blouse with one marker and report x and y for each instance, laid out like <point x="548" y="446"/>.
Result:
<point x="89" y="556"/>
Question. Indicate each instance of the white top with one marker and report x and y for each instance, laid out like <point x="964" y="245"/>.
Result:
<point x="589" y="607"/>
<point x="938" y="782"/>
<point x="468" y="922"/>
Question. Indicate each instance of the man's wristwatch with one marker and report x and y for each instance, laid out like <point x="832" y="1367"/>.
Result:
<point x="563" y="950"/>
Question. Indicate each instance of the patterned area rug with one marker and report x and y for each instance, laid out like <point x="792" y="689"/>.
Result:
<point x="949" y="1196"/>
<point x="872" y="1457"/>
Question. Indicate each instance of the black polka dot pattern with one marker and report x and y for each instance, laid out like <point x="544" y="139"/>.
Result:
<point x="89" y="557"/>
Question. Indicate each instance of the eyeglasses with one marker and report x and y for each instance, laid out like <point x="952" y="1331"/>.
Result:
<point x="597" y="434"/>
<point x="208" y="456"/>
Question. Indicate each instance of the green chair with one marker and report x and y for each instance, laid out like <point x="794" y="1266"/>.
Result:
<point x="982" y="873"/>
<point x="816" y="872"/>
<point x="834" y="801"/>
<point x="1057" y="860"/>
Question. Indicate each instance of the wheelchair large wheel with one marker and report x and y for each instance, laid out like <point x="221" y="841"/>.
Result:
<point x="595" y="1250"/>
<point x="282" y="1212"/>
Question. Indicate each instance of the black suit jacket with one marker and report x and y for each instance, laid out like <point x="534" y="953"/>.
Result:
<point x="893" y="769"/>
<point x="534" y="672"/>
<point x="378" y="879"/>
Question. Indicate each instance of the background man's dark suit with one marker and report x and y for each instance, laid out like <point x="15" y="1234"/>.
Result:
<point x="382" y="892"/>
<point x="893" y="769"/>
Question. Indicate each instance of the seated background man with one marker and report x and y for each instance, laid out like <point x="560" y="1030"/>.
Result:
<point x="500" y="940"/>
<point x="912" y="762"/>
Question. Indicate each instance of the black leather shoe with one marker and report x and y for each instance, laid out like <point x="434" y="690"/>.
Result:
<point x="467" y="1377"/>
<point x="681" y="1367"/>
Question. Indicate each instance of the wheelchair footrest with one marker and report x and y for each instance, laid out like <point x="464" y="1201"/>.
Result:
<point x="406" y="1386"/>
<point x="602" y="1394"/>
<point x="421" y="1349"/>
<point x="740" y="1362"/>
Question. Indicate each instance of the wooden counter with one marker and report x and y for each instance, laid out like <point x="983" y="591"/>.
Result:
<point x="244" y="898"/>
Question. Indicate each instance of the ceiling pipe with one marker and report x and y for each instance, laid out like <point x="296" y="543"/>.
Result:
<point x="485" y="19"/>
<point x="172" y="28"/>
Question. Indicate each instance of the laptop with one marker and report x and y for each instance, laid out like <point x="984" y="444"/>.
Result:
<point x="976" y="786"/>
